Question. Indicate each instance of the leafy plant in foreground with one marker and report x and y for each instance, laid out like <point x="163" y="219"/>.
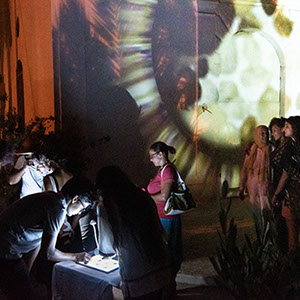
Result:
<point x="258" y="269"/>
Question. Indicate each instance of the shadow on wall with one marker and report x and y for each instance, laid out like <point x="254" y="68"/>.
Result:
<point x="87" y="71"/>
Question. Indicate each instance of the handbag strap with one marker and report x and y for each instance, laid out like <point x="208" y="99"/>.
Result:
<point x="180" y="181"/>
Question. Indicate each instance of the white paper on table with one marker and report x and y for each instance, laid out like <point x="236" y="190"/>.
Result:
<point x="101" y="263"/>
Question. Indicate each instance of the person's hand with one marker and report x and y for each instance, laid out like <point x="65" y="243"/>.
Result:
<point x="83" y="256"/>
<point x="21" y="163"/>
<point x="241" y="194"/>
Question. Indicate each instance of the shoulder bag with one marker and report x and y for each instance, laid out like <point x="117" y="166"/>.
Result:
<point x="181" y="200"/>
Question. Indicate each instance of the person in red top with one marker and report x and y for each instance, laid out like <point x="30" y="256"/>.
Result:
<point x="160" y="188"/>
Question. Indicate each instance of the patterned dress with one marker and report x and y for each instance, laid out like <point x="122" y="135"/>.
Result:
<point x="292" y="189"/>
<point x="278" y="159"/>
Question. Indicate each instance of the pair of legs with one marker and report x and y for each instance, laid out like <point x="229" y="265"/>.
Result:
<point x="173" y="230"/>
<point x="292" y="228"/>
<point x="260" y="216"/>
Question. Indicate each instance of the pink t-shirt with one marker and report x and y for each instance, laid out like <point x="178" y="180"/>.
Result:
<point x="154" y="187"/>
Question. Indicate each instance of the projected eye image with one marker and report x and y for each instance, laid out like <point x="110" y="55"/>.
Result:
<point x="200" y="76"/>
<point x="214" y="87"/>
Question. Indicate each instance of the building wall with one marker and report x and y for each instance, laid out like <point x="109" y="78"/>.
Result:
<point x="33" y="48"/>
<point x="197" y="75"/>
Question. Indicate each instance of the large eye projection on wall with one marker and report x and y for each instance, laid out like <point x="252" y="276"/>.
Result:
<point x="204" y="74"/>
<point x="209" y="80"/>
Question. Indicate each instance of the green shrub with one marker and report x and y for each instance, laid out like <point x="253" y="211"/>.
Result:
<point x="258" y="269"/>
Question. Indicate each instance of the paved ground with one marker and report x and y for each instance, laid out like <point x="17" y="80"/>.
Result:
<point x="200" y="239"/>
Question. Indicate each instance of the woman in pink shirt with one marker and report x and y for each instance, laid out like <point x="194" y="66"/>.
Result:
<point x="160" y="188"/>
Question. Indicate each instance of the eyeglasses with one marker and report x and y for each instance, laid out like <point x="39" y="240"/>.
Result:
<point x="152" y="155"/>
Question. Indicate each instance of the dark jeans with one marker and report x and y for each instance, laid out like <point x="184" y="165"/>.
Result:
<point x="14" y="280"/>
<point x="173" y="230"/>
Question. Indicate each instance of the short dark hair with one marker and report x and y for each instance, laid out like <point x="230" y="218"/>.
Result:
<point x="82" y="187"/>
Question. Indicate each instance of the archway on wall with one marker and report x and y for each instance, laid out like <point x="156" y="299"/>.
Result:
<point x="267" y="39"/>
<point x="253" y="78"/>
<point x="251" y="84"/>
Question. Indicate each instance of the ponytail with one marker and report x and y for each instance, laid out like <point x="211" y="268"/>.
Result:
<point x="163" y="148"/>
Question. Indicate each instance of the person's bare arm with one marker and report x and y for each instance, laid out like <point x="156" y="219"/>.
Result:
<point x="16" y="175"/>
<point x="49" y="252"/>
<point x="47" y="184"/>
<point x="75" y="221"/>
<point x="282" y="182"/>
<point x="164" y="194"/>
<point x="18" y="171"/>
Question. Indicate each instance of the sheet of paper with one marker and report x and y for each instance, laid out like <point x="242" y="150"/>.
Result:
<point x="101" y="263"/>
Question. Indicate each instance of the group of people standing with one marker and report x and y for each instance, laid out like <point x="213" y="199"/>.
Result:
<point x="271" y="175"/>
<point x="147" y="241"/>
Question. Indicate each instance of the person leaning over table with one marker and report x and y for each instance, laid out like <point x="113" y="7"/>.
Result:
<point x="138" y="236"/>
<point x="76" y="231"/>
<point x="31" y="225"/>
<point x="160" y="188"/>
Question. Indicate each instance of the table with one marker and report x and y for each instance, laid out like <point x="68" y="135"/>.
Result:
<point x="71" y="281"/>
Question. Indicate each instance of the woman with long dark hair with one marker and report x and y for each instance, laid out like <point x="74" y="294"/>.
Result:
<point x="289" y="183"/>
<point x="279" y="145"/>
<point x="138" y="235"/>
<point x="160" y="188"/>
<point x="280" y="151"/>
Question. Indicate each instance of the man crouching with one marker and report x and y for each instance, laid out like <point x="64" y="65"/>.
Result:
<point x="31" y="225"/>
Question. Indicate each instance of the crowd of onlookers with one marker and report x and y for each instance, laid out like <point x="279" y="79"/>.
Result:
<point x="271" y="176"/>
